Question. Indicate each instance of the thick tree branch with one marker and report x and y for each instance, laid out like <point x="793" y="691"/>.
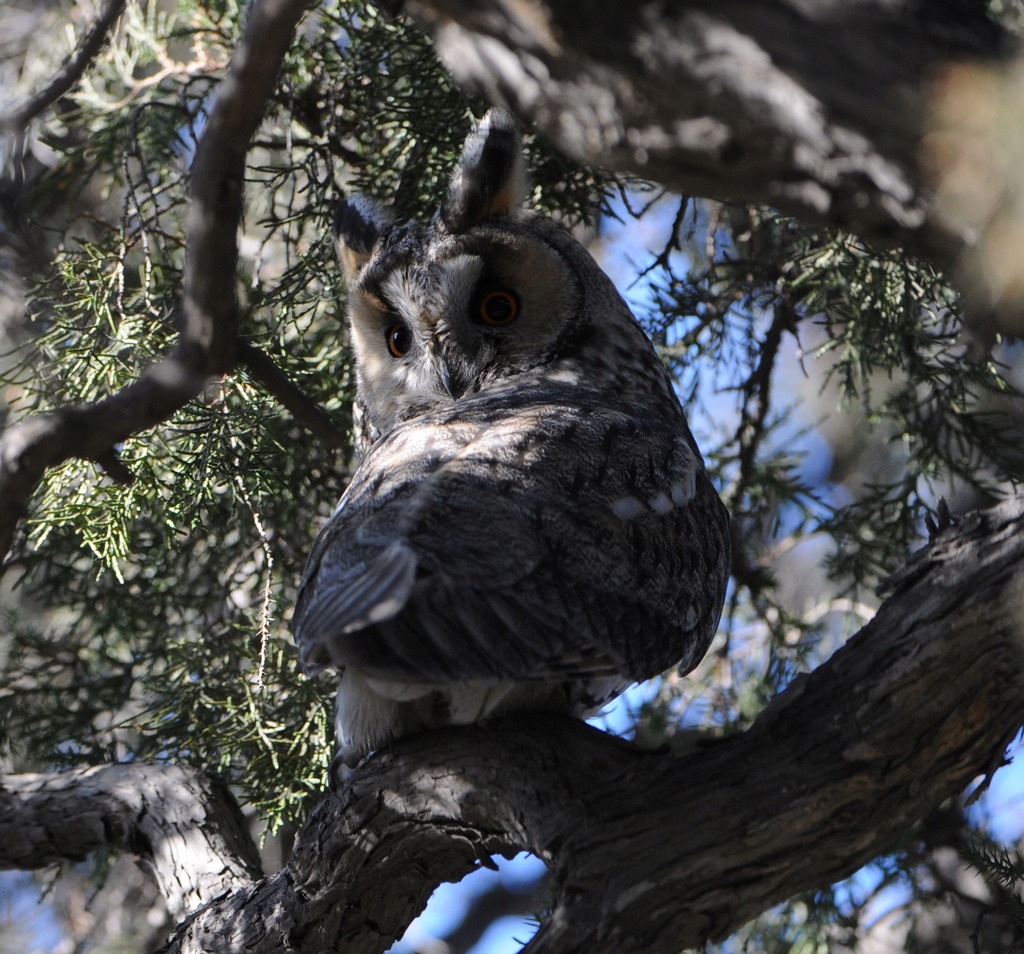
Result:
<point x="817" y="108"/>
<point x="920" y="702"/>
<point x="69" y="75"/>
<point x="206" y="345"/>
<point x="923" y="700"/>
<point x="183" y="826"/>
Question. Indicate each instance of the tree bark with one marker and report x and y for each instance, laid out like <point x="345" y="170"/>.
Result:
<point x="184" y="827"/>
<point x="818" y="108"/>
<point x="815" y="107"/>
<point x="653" y="852"/>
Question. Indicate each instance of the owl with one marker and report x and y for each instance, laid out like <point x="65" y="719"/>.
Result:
<point x="530" y="524"/>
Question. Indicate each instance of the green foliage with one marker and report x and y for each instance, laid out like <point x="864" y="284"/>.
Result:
<point x="777" y="331"/>
<point x="153" y="618"/>
<point x="744" y="298"/>
<point x="162" y="629"/>
<point x="1005" y="868"/>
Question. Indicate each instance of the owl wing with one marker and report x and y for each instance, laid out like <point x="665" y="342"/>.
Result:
<point x="538" y="542"/>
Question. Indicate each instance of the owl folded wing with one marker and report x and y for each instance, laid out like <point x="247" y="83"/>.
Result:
<point x="472" y="564"/>
<point x="431" y="629"/>
<point x="341" y="600"/>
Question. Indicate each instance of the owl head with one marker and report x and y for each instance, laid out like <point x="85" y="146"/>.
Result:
<point x="487" y="295"/>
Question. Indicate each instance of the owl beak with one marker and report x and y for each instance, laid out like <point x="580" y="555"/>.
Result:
<point x="452" y="382"/>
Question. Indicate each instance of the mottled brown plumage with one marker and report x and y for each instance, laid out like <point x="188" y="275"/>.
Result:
<point x="531" y="523"/>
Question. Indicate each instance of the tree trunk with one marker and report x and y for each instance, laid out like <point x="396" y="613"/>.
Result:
<point x="817" y="108"/>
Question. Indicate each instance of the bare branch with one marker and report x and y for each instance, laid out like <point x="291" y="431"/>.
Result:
<point x="306" y="411"/>
<point x="184" y="826"/>
<point x="69" y="75"/>
<point x="756" y="403"/>
<point x="206" y="346"/>
<point x="920" y="702"/>
<point x="500" y="900"/>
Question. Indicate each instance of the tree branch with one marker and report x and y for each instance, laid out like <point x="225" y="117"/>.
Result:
<point x="206" y="345"/>
<point x="916" y="705"/>
<point x="185" y="827"/>
<point x="69" y="75"/>
<point x="816" y="108"/>
<point x="307" y="412"/>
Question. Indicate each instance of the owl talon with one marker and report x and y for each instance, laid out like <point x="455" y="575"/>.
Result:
<point x="341" y="770"/>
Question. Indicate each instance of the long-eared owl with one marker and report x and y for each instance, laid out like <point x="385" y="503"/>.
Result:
<point x="530" y="525"/>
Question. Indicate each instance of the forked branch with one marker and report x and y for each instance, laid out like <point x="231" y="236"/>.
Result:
<point x="920" y="702"/>
<point x="206" y="346"/>
<point x="183" y="826"/>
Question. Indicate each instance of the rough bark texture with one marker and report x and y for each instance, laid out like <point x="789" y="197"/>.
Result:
<point x="185" y="828"/>
<point x="816" y="107"/>
<point x="654" y="852"/>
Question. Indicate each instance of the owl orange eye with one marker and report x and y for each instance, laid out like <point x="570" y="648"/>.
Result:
<point x="399" y="339"/>
<point x="498" y="308"/>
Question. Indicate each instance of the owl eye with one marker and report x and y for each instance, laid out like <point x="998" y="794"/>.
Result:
<point x="399" y="339"/>
<point x="498" y="308"/>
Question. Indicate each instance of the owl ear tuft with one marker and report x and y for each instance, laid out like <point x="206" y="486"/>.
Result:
<point x="490" y="179"/>
<point x="358" y="223"/>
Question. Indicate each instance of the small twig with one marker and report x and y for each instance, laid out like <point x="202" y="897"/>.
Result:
<point x="71" y="73"/>
<point x="306" y="411"/>
<point x="942" y="521"/>
<point x="661" y="260"/>
<point x="757" y="398"/>
<point x="263" y="619"/>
